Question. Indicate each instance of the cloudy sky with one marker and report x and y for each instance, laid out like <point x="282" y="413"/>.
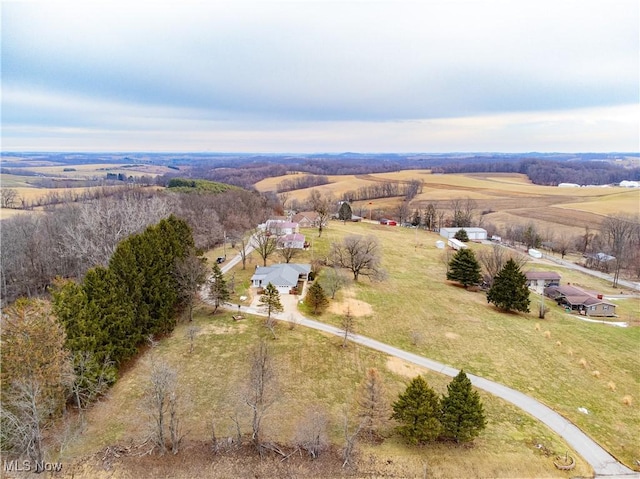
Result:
<point x="325" y="76"/>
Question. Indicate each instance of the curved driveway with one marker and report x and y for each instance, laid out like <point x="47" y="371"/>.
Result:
<point x="603" y="463"/>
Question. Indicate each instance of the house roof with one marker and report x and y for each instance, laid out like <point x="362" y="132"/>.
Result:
<point x="576" y="296"/>
<point x="291" y="237"/>
<point x="281" y="274"/>
<point x="309" y="215"/>
<point x="542" y="275"/>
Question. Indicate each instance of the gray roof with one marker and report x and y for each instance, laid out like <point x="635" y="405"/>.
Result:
<point x="281" y="274"/>
<point x="541" y="275"/>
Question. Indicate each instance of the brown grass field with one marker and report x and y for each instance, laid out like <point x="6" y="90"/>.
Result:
<point x="505" y="198"/>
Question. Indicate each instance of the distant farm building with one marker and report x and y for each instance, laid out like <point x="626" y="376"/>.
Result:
<point x="474" y="234"/>
<point x="630" y="184"/>
<point x="569" y="185"/>
<point x="285" y="277"/>
<point x="539" y="280"/>
<point x="588" y="303"/>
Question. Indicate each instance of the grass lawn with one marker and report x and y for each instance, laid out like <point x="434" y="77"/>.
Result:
<point x="314" y="373"/>
<point x="561" y="361"/>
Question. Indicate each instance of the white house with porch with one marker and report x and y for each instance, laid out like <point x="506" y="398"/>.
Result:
<point x="284" y="276"/>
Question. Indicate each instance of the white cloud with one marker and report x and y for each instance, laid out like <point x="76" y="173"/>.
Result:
<point x="247" y="66"/>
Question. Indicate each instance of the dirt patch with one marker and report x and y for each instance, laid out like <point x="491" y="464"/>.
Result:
<point x="449" y="335"/>
<point x="355" y="306"/>
<point x="403" y="368"/>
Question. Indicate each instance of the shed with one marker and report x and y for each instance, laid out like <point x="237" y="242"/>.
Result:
<point x="474" y="234"/>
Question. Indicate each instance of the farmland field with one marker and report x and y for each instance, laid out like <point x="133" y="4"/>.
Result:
<point x="505" y="199"/>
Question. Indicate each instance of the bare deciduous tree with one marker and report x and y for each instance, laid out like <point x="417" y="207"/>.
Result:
<point x="351" y="435"/>
<point x="190" y="274"/>
<point x="360" y="254"/>
<point x="8" y="198"/>
<point x="348" y="324"/>
<point x="372" y="406"/>
<point x="322" y="205"/>
<point x="162" y="399"/>
<point x="192" y="333"/>
<point x="260" y="393"/>
<point x="311" y="433"/>
<point x="494" y="259"/>
<point x="619" y="231"/>
<point x="264" y="243"/>
<point x="24" y="411"/>
<point x="288" y="253"/>
<point x="332" y="281"/>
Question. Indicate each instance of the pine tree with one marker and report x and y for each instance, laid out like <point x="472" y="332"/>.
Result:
<point x="418" y="411"/>
<point x="464" y="268"/>
<point x="270" y="300"/>
<point x="218" y="289"/>
<point x="316" y="298"/>
<point x="509" y="290"/>
<point x="462" y="412"/>
<point x="461" y="235"/>
<point x="345" y="213"/>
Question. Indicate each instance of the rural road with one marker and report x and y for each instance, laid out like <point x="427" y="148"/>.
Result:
<point x="603" y="463"/>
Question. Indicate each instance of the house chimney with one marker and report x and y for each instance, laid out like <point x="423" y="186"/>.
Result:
<point x="599" y="296"/>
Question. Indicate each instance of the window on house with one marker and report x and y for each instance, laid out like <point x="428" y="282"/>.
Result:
<point x="605" y="307"/>
<point x="592" y="308"/>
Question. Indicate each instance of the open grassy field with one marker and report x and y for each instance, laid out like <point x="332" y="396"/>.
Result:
<point x="505" y="198"/>
<point x="314" y="373"/>
<point x="554" y="360"/>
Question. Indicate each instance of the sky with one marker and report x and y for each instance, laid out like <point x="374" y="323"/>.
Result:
<point x="325" y="76"/>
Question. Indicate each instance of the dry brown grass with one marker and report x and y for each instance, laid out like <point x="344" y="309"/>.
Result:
<point x="512" y="198"/>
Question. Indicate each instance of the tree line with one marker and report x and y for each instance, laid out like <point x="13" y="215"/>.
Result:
<point x="69" y="239"/>
<point x="72" y="350"/>
<point x="301" y="182"/>
<point x="385" y="189"/>
<point x="552" y="173"/>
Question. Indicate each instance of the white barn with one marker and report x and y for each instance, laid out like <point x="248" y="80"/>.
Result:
<point x="474" y="234"/>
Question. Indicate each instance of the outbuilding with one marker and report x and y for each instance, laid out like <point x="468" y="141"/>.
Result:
<point x="474" y="234"/>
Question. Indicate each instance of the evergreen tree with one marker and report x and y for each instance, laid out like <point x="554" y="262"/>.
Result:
<point x="316" y="298"/>
<point x="218" y="289"/>
<point x="418" y="410"/>
<point x="270" y="300"/>
<point x="464" y="268"/>
<point x="345" y="213"/>
<point x="509" y="290"/>
<point x="462" y="412"/>
<point x="111" y="312"/>
<point x="461" y="235"/>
